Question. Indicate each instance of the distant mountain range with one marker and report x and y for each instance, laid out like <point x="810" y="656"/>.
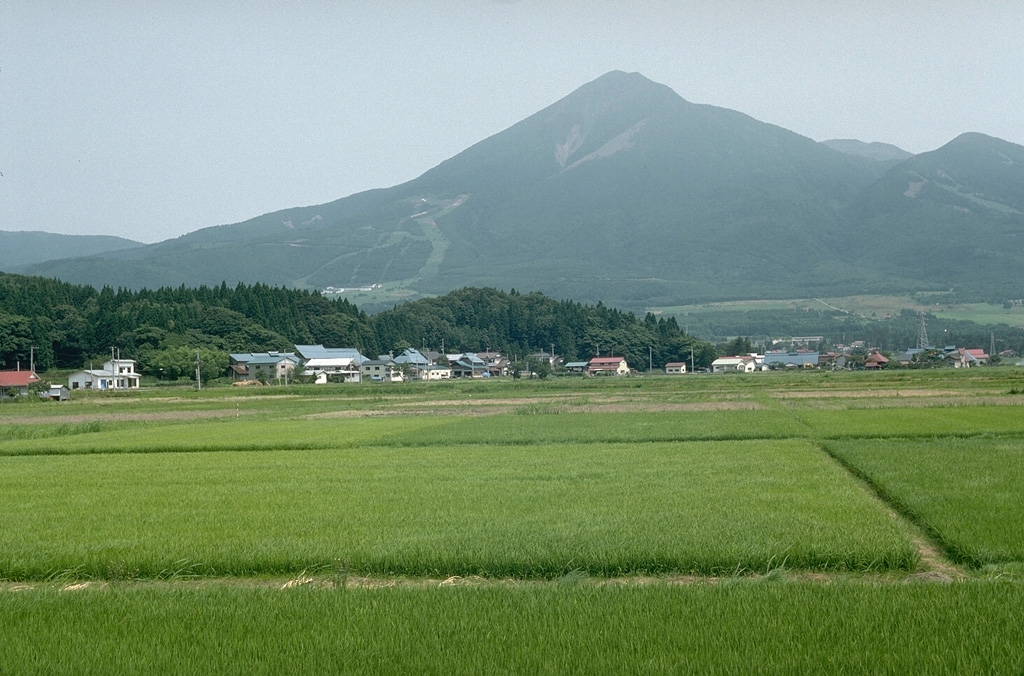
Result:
<point x="626" y="193"/>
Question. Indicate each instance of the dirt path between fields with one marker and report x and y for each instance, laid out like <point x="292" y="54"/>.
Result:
<point x="328" y="582"/>
<point x="543" y="408"/>
<point x="122" y="417"/>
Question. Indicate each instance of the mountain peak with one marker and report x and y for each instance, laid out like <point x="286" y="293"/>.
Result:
<point x="620" y="84"/>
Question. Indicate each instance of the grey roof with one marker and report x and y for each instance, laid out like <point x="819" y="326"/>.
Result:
<point x="251" y="357"/>
<point x="412" y="356"/>
<point x="798" y="358"/>
<point x="272" y="358"/>
<point x="321" y="352"/>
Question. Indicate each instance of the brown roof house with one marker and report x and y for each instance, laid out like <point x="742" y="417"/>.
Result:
<point x="614" y="366"/>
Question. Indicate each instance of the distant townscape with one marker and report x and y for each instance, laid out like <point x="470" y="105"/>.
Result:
<point x="317" y="364"/>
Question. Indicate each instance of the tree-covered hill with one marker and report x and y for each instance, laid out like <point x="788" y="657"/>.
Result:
<point x="68" y="325"/>
<point x="517" y="324"/>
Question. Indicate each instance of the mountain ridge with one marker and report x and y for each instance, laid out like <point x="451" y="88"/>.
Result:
<point x="622" y="191"/>
<point x="26" y="247"/>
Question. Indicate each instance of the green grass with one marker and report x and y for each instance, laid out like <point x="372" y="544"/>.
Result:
<point x="965" y="492"/>
<point x="865" y="306"/>
<point x="739" y="628"/>
<point x="579" y="502"/>
<point x="895" y="423"/>
<point x="524" y="511"/>
<point x="529" y="424"/>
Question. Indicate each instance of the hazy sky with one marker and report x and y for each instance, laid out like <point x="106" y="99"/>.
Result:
<point x="151" y="119"/>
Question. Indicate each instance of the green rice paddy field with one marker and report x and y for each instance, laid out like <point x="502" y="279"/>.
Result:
<point x="770" y="523"/>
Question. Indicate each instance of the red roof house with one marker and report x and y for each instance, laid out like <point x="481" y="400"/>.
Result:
<point x="17" y="381"/>
<point x="876" y="361"/>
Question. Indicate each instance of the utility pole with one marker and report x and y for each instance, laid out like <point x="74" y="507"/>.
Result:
<point x="650" y="358"/>
<point x="199" y="379"/>
<point x="32" y="359"/>
<point x="691" y="358"/>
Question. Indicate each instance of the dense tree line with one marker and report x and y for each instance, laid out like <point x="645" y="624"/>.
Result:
<point x="68" y="326"/>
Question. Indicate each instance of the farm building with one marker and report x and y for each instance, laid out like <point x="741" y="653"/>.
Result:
<point x="675" y="368"/>
<point x="56" y="393"/>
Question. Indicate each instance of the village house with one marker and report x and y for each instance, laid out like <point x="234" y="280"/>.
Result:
<point x="383" y="370"/>
<point x="433" y="372"/>
<point x="468" y="365"/>
<point x="266" y="366"/>
<point x="614" y="366"/>
<point x="338" y="369"/>
<point x="979" y="355"/>
<point x="577" y="366"/>
<point x="320" y="352"/>
<point x="497" y="364"/>
<point x="116" y="374"/>
<point x="959" y="357"/>
<point x="744" y="363"/>
<point x="16" y="383"/>
<point x="675" y="368"/>
<point x="800" y="358"/>
<point x="876" y="360"/>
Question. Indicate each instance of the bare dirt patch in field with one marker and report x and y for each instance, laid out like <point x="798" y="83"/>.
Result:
<point x="498" y="407"/>
<point x="694" y="406"/>
<point x="894" y="402"/>
<point x="934" y="566"/>
<point x="865" y="394"/>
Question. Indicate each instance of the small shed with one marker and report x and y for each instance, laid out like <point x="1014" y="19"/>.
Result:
<point x="57" y="393"/>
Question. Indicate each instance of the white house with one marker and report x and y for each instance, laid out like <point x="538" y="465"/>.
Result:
<point x="344" y="369"/>
<point x="743" y="363"/>
<point x="433" y="372"/>
<point x="116" y="374"/>
<point x="675" y="368"/>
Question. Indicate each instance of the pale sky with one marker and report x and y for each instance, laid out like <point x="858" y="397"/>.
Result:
<point x="149" y="120"/>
